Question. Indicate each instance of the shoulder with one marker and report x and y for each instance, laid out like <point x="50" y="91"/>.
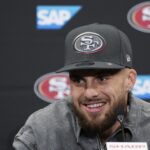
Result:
<point x="140" y="108"/>
<point x="141" y="104"/>
<point x="139" y="118"/>
<point x="52" y="114"/>
<point x="45" y="126"/>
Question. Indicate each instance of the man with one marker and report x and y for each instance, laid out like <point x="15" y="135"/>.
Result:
<point x="101" y="107"/>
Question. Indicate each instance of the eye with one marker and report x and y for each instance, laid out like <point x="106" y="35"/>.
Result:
<point x="103" y="78"/>
<point x="77" y="80"/>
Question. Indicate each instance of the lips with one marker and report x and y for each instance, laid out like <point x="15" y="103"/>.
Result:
<point x="95" y="107"/>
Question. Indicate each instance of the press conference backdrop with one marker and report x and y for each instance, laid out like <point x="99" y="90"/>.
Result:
<point x="32" y="44"/>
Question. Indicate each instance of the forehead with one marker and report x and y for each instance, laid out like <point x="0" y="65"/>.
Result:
<point x="93" y="72"/>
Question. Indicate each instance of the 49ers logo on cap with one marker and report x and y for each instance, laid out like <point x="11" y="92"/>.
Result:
<point x="89" y="42"/>
<point x="51" y="87"/>
<point x="139" y="17"/>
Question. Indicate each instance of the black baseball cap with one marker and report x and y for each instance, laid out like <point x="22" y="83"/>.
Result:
<point x="97" y="46"/>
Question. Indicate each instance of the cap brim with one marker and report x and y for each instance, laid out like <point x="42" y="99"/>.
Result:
<point x="90" y="65"/>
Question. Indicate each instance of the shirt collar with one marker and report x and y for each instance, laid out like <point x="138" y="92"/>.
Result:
<point x="131" y="118"/>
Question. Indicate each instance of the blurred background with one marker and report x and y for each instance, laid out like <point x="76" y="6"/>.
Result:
<point x="32" y="44"/>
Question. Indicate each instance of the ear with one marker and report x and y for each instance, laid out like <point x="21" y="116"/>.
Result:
<point x="132" y="74"/>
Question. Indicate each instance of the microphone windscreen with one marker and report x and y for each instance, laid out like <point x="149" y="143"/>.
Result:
<point x="120" y="114"/>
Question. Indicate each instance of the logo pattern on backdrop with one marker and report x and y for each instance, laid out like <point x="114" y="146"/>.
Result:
<point x="139" y="17"/>
<point x="52" y="87"/>
<point x="54" y="17"/>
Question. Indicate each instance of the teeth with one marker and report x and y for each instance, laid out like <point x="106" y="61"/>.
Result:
<point x="95" y="105"/>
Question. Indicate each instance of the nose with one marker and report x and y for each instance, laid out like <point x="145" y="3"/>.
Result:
<point x="91" y="92"/>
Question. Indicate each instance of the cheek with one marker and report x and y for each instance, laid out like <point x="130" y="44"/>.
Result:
<point x="75" y="92"/>
<point x="75" y="97"/>
<point x="110" y="90"/>
<point x="113" y="93"/>
<point x="117" y="87"/>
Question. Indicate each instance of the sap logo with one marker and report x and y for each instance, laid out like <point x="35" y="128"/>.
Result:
<point x="54" y="17"/>
<point x="142" y="87"/>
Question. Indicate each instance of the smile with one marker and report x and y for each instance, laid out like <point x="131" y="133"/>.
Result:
<point x="95" y="107"/>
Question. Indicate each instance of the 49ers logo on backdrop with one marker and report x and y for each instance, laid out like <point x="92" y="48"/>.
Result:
<point x="51" y="87"/>
<point x="139" y="17"/>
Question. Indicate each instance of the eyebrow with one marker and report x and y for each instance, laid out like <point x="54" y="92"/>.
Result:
<point x="90" y="71"/>
<point x="82" y="73"/>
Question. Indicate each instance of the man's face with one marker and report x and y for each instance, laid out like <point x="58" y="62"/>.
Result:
<point x="97" y="95"/>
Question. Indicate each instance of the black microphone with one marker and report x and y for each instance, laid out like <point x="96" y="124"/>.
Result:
<point x="120" y="118"/>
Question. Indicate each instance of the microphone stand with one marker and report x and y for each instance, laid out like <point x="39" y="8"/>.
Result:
<point x="121" y="121"/>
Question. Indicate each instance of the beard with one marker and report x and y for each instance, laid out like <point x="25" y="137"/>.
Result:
<point x="94" y="124"/>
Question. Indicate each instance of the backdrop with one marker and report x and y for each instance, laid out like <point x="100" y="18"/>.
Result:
<point x="32" y="44"/>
